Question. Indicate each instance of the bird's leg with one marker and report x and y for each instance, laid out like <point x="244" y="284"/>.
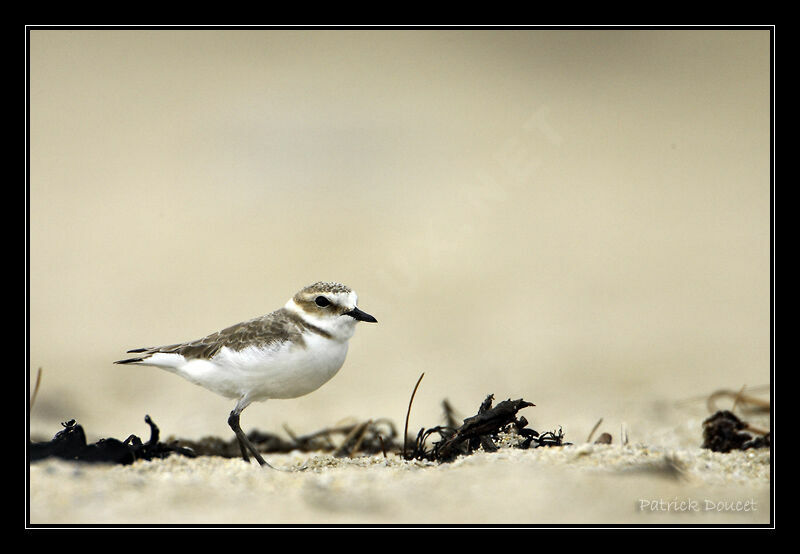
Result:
<point x="233" y="421"/>
<point x="244" y="443"/>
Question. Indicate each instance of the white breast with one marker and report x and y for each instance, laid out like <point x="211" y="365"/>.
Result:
<point x="259" y="373"/>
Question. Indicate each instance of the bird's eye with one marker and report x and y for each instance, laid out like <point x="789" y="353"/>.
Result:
<point x="321" y="301"/>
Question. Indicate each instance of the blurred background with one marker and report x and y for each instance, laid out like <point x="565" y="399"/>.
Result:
<point x="577" y="218"/>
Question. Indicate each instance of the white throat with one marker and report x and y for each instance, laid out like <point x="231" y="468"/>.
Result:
<point x="340" y="327"/>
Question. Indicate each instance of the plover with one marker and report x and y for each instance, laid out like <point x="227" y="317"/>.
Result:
<point x="285" y="354"/>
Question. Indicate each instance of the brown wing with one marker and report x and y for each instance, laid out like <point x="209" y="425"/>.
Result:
<point x="274" y="328"/>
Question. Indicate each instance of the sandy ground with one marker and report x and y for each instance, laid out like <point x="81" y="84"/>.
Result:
<point x="588" y="484"/>
<point x="585" y="483"/>
<point x="577" y="218"/>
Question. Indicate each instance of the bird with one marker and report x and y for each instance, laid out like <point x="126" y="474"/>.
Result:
<point x="287" y="353"/>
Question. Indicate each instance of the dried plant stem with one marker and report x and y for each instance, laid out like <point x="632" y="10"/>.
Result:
<point x="751" y="402"/>
<point x="596" y="425"/>
<point x="408" y="413"/>
<point x="36" y="388"/>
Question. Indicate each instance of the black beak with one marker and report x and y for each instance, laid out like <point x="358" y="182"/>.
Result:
<point x="358" y="315"/>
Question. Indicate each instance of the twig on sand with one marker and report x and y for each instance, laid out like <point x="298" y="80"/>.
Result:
<point x="408" y="413"/>
<point x="747" y="401"/>
<point x="36" y="388"/>
<point x="596" y="425"/>
<point x="356" y="435"/>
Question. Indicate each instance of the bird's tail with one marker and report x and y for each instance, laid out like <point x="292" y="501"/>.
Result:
<point x="135" y="360"/>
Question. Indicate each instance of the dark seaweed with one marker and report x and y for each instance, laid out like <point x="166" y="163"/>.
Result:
<point x="369" y="437"/>
<point x="723" y="432"/>
<point x="480" y="431"/>
<point x="70" y="444"/>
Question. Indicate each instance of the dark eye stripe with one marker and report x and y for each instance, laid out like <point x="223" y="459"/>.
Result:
<point x="321" y="301"/>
